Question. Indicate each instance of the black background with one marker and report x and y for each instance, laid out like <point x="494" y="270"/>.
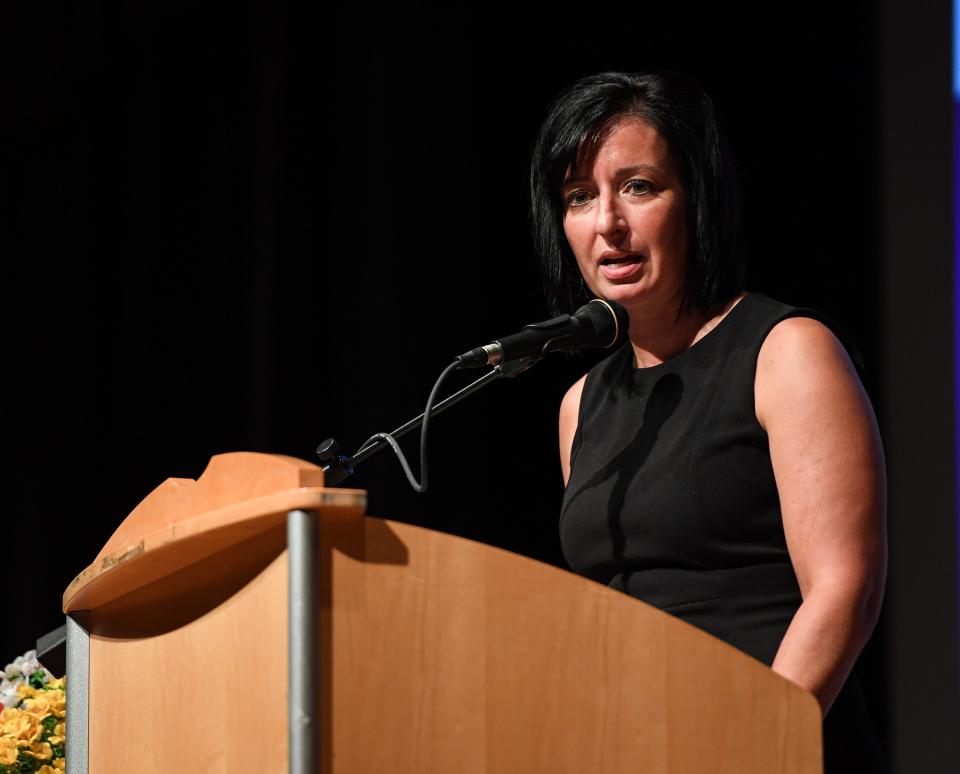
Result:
<point x="250" y="227"/>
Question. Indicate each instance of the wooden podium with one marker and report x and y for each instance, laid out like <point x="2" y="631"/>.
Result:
<point x="254" y="621"/>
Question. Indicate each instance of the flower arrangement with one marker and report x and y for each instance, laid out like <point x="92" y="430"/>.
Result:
<point x="32" y="720"/>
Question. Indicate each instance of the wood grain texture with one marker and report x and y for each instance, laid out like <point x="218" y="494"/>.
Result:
<point x="205" y="692"/>
<point x="456" y="656"/>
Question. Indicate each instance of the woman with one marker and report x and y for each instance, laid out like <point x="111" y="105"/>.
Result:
<point x="725" y="465"/>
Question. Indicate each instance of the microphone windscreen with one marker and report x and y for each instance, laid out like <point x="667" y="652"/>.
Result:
<point x="608" y="320"/>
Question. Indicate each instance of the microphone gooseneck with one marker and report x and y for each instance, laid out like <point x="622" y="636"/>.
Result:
<point x="600" y="323"/>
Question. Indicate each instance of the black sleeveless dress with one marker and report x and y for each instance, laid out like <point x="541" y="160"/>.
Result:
<point x="672" y="500"/>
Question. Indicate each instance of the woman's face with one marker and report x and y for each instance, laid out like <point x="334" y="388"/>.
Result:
<point x="626" y="220"/>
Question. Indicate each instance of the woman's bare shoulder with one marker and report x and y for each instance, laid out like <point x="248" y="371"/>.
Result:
<point x="569" y="417"/>
<point x="801" y="357"/>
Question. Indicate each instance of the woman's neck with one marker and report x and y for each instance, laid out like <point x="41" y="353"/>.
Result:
<point x="662" y="334"/>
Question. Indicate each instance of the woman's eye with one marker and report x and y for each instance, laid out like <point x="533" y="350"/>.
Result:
<point x="578" y="198"/>
<point x="639" y="187"/>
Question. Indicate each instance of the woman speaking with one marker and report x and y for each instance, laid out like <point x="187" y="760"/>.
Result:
<point x="723" y="465"/>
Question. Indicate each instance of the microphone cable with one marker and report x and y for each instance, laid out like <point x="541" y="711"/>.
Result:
<point x="421" y="486"/>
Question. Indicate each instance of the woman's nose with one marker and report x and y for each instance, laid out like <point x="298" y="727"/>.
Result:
<point x="609" y="219"/>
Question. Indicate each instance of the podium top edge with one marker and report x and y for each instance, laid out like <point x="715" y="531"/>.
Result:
<point x="237" y="496"/>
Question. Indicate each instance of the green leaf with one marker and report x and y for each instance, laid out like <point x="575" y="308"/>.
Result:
<point x="26" y="764"/>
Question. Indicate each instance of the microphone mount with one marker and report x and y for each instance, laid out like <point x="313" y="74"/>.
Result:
<point x="339" y="466"/>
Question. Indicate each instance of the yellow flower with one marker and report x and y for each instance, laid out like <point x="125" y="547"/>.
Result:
<point x="59" y="682"/>
<point x="38" y="705"/>
<point x="44" y="703"/>
<point x="8" y="750"/>
<point x="57" y="701"/>
<point x="41" y="750"/>
<point x="26" y="690"/>
<point x="20" y="725"/>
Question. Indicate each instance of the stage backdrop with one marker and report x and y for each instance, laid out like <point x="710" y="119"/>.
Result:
<point x="253" y="227"/>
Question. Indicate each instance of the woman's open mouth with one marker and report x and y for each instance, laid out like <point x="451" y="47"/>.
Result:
<point x="616" y="267"/>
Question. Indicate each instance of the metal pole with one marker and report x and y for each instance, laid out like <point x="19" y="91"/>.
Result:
<point x="302" y="629"/>
<point x="78" y="692"/>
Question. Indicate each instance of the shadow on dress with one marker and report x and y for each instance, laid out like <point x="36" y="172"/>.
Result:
<point x="626" y="464"/>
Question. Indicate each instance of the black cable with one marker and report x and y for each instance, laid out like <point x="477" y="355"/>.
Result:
<point x="420" y="486"/>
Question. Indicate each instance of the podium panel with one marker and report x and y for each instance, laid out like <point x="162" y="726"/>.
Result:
<point x="449" y="655"/>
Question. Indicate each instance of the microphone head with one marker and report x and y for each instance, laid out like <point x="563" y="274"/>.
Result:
<point x="608" y="320"/>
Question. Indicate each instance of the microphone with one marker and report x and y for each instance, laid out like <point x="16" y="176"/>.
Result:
<point x="600" y="324"/>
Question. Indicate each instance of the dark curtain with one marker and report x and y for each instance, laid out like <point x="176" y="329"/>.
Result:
<point x="251" y="227"/>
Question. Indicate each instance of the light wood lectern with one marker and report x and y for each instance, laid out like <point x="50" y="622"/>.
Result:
<point x="254" y="621"/>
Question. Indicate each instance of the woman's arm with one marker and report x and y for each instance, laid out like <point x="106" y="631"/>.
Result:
<point x="829" y="470"/>
<point x="569" y="416"/>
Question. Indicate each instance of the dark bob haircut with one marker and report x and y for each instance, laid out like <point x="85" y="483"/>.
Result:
<point x="684" y="115"/>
